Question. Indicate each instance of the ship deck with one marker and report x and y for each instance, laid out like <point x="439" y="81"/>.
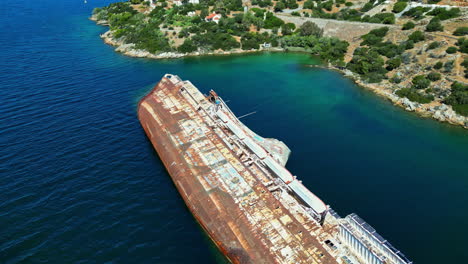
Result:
<point x="244" y="209"/>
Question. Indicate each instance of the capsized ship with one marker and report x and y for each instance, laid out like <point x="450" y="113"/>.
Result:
<point x="237" y="187"/>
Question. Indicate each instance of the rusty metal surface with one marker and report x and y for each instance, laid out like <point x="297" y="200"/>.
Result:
<point x="239" y="204"/>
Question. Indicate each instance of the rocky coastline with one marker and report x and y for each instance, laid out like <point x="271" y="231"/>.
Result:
<point x="436" y="110"/>
<point x="130" y="50"/>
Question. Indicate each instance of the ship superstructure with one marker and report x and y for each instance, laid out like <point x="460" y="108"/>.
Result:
<point x="237" y="187"/>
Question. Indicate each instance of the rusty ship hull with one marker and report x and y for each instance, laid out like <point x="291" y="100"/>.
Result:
<point x="234" y="181"/>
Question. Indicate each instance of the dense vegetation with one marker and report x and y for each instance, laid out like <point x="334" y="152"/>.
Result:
<point x="309" y="37"/>
<point x="408" y="25"/>
<point x="441" y="13"/>
<point x="399" y="6"/>
<point x="320" y="9"/>
<point x="461" y="31"/>
<point x="462" y="43"/>
<point x="434" y="25"/>
<point x="369" y="64"/>
<point x="458" y="98"/>
<point x="415" y="96"/>
<point x="184" y="29"/>
<point x="368" y="61"/>
<point x="154" y="32"/>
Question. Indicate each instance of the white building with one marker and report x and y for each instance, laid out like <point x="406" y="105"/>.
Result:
<point x="213" y="17"/>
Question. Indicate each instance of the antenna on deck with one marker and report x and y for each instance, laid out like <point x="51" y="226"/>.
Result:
<point x="251" y="113"/>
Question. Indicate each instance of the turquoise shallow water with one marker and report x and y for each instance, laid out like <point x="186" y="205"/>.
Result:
<point x="81" y="183"/>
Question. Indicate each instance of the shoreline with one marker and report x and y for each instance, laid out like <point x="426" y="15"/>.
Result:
<point x="435" y="110"/>
<point x="129" y="50"/>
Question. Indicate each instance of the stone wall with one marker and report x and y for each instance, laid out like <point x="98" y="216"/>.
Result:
<point x="346" y="30"/>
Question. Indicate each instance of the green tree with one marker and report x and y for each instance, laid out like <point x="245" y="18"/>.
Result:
<point x="438" y="65"/>
<point x="399" y="6"/>
<point x="461" y="31"/>
<point x="451" y="50"/>
<point x="310" y="29"/>
<point x="408" y="25"/>
<point x="420" y="82"/>
<point x="271" y="21"/>
<point x="393" y="63"/>
<point x="443" y="14"/>
<point x="434" y="25"/>
<point x="309" y="4"/>
<point x="414" y="95"/>
<point x="433" y="45"/>
<point x="458" y="98"/>
<point x="367" y="63"/>
<point x="434" y="76"/>
<point x="288" y="28"/>
<point x="187" y="47"/>
<point x="279" y="6"/>
<point x="417" y="36"/>
<point x="462" y="43"/>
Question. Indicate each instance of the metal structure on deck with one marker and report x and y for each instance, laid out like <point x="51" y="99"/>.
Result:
<point x="237" y="187"/>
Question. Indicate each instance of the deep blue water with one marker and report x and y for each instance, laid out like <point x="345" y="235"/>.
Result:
<point x="80" y="182"/>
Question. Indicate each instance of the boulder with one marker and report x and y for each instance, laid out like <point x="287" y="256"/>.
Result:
<point x="409" y="106"/>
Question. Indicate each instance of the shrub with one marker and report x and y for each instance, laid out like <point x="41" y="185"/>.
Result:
<point x="367" y="63"/>
<point x="407" y="45"/>
<point x="287" y="29"/>
<point x="415" y="96"/>
<point x="399" y="6"/>
<point x="451" y="50"/>
<point x="187" y="46"/>
<point x="252" y="41"/>
<point x="448" y="66"/>
<point x="434" y="76"/>
<point x="384" y="18"/>
<point x="420" y="82"/>
<point x="463" y="44"/>
<point x="393" y="63"/>
<point x="348" y="4"/>
<point x="438" y="65"/>
<point x="465" y="63"/>
<point x="279" y="6"/>
<point x="367" y="7"/>
<point x="458" y="98"/>
<point x="328" y="5"/>
<point x="395" y="79"/>
<point x="417" y="36"/>
<point x="433" y="45"/>
<point x="272" y="21"/>
<point x="461" y="31"/>
<point x="389" y="49"/>
<point x="310" y="29"/>
<point x="417" y="12"/>
<point x="408" y="25"/>
<point x="379" y="32"/>
<point x="461" y="109"/>
<point x="434" y="25"/>
<point x="309" y="4"/>
<point x="444" y="14"/>
<point x="374" y="37"/>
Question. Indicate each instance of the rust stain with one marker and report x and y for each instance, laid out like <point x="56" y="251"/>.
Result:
<point x="244" y="209"/>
